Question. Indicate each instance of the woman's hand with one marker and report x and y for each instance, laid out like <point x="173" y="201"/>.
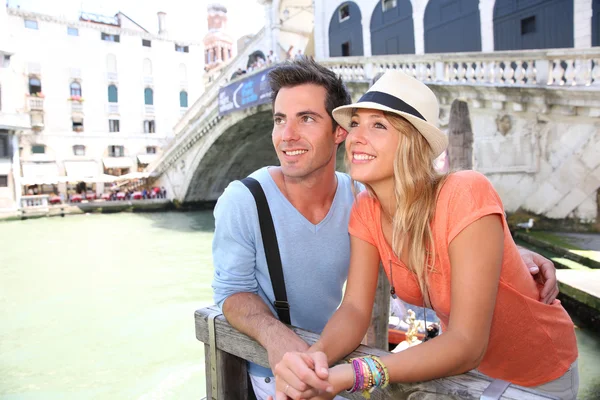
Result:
<point x="340" y="378"/>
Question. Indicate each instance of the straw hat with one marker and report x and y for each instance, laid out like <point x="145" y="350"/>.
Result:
<point x="400" y="94"/>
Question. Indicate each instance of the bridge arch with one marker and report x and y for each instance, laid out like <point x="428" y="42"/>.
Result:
<point x="243" y="146"/>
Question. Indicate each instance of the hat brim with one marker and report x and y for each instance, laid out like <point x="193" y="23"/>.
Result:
<point x="434" y="136"/>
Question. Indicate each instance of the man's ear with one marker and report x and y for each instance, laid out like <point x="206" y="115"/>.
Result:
<point x="340" y="134"/>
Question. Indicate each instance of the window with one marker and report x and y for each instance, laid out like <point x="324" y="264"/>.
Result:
<point x="78" y="125"/>
<point x="113" y="125"/>
<point x="38" y="149"/>
<point x="183" y="99"/>
<point x="79" y="150"/>
<point x="72" y="31"/>
<point x="113" y="94"/>
<point x="388" y="4"/>
<point x="35" y="85"/>
<point x="207" y="57"/>
<point x="182" y="49"/>
<point x="4" y="146"/>
<point x="148" y="97"/>
<point x="5" y="61"/>
<point x="116" y="151"/>
<point x="107" y="37"/>
<point x="345" y="49"/>
<point x="75" y="89"/>
<point x="3" y="180"/>
<point x="149" y="126"/>
<point x="528" y="25"/>
<point x="150" y="149"/>
<point x="31" y="24"/>
<point x="344" y="12"/>
<point x="146" y="43"/>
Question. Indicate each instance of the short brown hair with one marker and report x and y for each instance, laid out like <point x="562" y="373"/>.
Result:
<point x="307" y="71"/>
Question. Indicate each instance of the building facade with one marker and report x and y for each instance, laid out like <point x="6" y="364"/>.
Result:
<point x="102" y="93"/>
<point x="14" y="122"/>
<point x="378" y="27"/>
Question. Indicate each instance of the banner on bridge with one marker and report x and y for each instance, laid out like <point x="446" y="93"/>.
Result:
<point x="249" y="92"/>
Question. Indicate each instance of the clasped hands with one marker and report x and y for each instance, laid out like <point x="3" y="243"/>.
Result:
<point x="306" y="375"/>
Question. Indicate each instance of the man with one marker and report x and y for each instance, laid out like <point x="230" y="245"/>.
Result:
<point x="310" y="204"/>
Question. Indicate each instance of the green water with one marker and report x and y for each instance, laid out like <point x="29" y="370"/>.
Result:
<point x="101" y="307"/>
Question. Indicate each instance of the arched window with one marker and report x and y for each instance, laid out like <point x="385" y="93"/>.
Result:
<point x="345" y="31"/>
<point x="182" y="73"/>
<point x="113" y="94"/>
<point x="35" y="85"/>
<point x="111" y="63"/>
<point x="452" y="26"/>
<point x="147" y="67"/>
<point x="392" y="29"/>
<point x="148" y="97"/>
<point x="535" y="24"/>
<point x="75" y="89"/>
<point x="183" y="99"/>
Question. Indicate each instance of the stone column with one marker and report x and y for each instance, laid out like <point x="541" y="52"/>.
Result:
<point x="275" y="28"/>
<point x="486" y="15"/>
<point x="460" y="136"/>
<point x="321" y="30"/>
<point x="418" y="23"/>
<point x="366" y="31"/>
<point x="582" y="24"/>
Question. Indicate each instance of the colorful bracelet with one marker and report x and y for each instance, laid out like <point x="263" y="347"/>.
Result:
<point x="369" y="373"/>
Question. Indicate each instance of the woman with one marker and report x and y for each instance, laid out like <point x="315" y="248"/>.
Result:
<point x="445" y="244"/>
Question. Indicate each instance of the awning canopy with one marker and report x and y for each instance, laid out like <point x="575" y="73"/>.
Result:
<point x="81" y="169"/>
<point x="40" y="174"/>
<point x="117" y="162"/>
<point x="86" y="171"/>
<point x="133" y="175"/>
<point x="146" y="158"/>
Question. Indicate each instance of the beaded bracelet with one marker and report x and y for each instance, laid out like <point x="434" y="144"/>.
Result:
<point x="369" y="373"/>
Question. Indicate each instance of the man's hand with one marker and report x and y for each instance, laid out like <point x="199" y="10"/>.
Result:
<point x="544" y="273"/>
<point x="302" y="375"/>
<point x="281" y="345"/>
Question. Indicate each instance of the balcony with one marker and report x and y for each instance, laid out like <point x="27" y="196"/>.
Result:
<point x="36" y="112"/>
<point x="36" y="103"/>
<point x="112" y="108"/>
<point x="149" y="109"/>
<point x="76" y="107"/>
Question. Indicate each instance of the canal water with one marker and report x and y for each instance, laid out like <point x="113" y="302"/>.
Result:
<point x="101" y="306"/>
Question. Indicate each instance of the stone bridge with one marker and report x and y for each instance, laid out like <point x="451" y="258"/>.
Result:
<point x="535" y="117"/>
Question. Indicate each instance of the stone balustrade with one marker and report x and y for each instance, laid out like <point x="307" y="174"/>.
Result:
<point x="36" y="104"/>
<point x="560" y="67"/>
<point x="36" y="201"/>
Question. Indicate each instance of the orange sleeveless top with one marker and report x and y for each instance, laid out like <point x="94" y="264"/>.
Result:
<point x="530" y="343"/>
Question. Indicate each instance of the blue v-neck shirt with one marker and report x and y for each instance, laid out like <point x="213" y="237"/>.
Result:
<point x="315" y="258"/>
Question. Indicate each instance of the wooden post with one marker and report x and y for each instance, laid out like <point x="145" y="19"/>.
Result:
<point x="460" y="136"/>
<point x="232" y="376"/>
<point x="377" y="335"/>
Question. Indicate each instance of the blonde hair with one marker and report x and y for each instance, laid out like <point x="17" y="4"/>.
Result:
<point x="416" y="188"/>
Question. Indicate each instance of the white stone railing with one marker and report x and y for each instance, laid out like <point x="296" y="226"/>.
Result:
<point x="38" y="201"/>
<point x="555" y="67"/>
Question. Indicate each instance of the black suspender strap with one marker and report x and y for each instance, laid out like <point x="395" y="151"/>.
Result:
<point x="269" y="237"/>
